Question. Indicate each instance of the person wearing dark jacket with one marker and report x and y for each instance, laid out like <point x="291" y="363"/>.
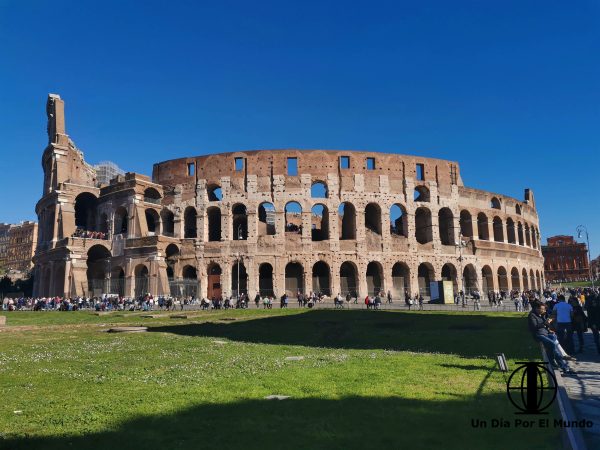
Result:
<point x="539" y="327"/>
<point x="593" y="311"/>
<point x="580" y="324"/>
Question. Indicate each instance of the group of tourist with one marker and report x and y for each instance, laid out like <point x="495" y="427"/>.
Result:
<point x="559" y="315"/>
<point x="86" y="234"/>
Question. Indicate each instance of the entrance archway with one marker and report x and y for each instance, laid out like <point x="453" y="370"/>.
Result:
<point x="320" y="278"/>
<point x="294" y="279"/>
<point x="400" y="280"/>
<point x="214" y="289"/>
<point x="374" y="278"/>
<point x="348" y="278"/>
<point x="265" y="280"/>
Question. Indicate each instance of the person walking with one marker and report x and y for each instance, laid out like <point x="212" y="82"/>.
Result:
<point x="389" y="296"/>
<point x="563" y="313"/>
<point x="580" y="325"/>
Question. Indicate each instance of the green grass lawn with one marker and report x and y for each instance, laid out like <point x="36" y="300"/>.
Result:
<point x="369" y="379"/>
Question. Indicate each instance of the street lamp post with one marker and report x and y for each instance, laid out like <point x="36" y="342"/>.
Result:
<point x="461" y="244"/>
<point x="580" y="230"/>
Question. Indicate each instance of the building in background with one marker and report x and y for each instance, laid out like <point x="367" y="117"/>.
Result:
<point x="596" y="268"/>
<point x="4" y="230"/>
<point x="565" y="260"/>
<point x="22" y="241"/>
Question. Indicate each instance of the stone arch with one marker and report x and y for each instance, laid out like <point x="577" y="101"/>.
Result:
<point x="240" y="222"/>
<point x="425" y="275"/>
<point x="293" y="217"/>
<point x="469" y="279"/>
<point x="347" y="219"/>
<point x="294" y="278"/>
<point x="214" y="192"/>
<point x="189" y="273"/>
<point x="466" y="223"/>
<point x="525" y="280"/>
<point x="321" y="278"/>
<point x="349" y="279"/>
<point x="172" y="255"/>
<point x="168" y="222"/>
<point x="319" y="222"/>
<point x="141" y="276"/>
<point x="515" y="279"/>
<point x="214" y="288"/>
<point x="373" y="218"/>
<point x="446" y="226"/>
<point x="532" y="280"/>
<point x="527" y="235"/>
<point x="242" y="287"/>
<point x="374" y="278"/>
<point x="539" y="280"/>
<point x="495" y="203"/>
<point x="487" y="280"/>
<point x="98" y="258"/>
<point x="483" y="229"/>
<point x="152" y="195"/>
<point x="266" y="219"/>
<point x="319" y="190"/>
<point x="398" y="220"/>
<point x="518" y="209"/>
<point x="520" y="233"/>
<point x="213" y="216"/>
<point x="103" y="225"/>
<point x="190" y="230"/>
<point x="265" y="280"/>
<point x="510" y="231"/>
<point x="449" y="273"/>
<point x="152" y="221"/>
<point x="117" y="281"/>
<point x="86" y="205"/>
<point x="421" y="194"/>
<point x="121" y="221"/>
<point x="498" y="227"/>
<point x="400" y="280"/>
<point x="423" y="225"/>
<point x="502" y="279"/>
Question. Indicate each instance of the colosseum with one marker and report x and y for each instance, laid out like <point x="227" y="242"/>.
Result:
<point x="275" y="221"/>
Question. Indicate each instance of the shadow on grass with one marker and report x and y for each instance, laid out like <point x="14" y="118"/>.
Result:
<point x="346" y="423"/>
<point x="463" y="335"/>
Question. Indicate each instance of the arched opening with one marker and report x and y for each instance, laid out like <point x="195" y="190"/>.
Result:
<point x="400" y="280"/>
<point x="117" y="281"/>
<point x="240" y="222"/>
<point x="498" y="229"/>
<point x="534" y="237"/>
<point x="483" y="229"/>
<point x="171" y="258"/>
<point x="446" y="226"/>
<point x="190" y="230"/>
<point x="151" y="195"/>
<point x="348" y="278"/>
<point x="421" y="194"/>
<point x="190" y="273"/>
<point x="168" y="223"/>
<point x="121" y="222"/>
<point x="293" y="218"/>
<point x="215" y="194"/>
<point x="502" y="279"/>
<point x="449" y="274"/>
<point x="527" y="236"/>
<point x="539" y="280"/>
<point x="98" y="261"/>
<point x="532" y="279"/>
<point x="470" y="279"/>
<point x="515" y="280"/>
<point x="85" y="211"/>
<point x="520" y="233"/>
<point x="294" y="279"/>
<point x="525" y="280"/>
<point x="466" y="223"/>
<point x="373" y="218"/>
<point x="213" y="272"/>
<point x="425" y="275"/>
<point x="510" y="231"/>
<point x="398" y="221"/>
<point x="347" y="218"/>
<point x="213" y="214"/>
<point x="266" y="219"/>
<point x="152" y="221"/>
<point x="318" y="190"/>
<point x="265" y="280"/>
<point x="487" y="280"/>
<point x="320" y="278"/>
<point x="423" y="227"/>
<point x="518" y="209"/>
<point x="495" y="203"/>
<point x="239" y="279"/>
<point x="374" y="278"/>
<point x="319" y="223"/>
<point x="141" y="281"/>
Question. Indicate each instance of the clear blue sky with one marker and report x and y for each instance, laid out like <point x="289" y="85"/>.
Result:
<point x="511" y="90"/>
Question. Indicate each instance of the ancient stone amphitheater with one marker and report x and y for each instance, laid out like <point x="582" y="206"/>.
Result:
<point x="274" y="221"/>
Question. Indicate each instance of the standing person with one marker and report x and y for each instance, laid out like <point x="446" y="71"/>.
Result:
<point x="348" y="298"/>
<point x="389" y="296"/>
<point x="257" y="299"/>
<point x="593" y="311"/>
<point x="420" y="303"/>
<point x="563" y="312"/>
<point x="580" y="325"/>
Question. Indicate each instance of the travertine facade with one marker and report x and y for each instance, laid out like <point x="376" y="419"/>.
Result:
<point x="331" y="221"/>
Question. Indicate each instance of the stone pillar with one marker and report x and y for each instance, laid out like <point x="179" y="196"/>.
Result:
<point x="252" y="218"/>
<point x="53" y="283"/>
<point x="129" y="279"/>
<point x="226" y="278"/>
<point x="363" y="289"/>
<point x="226" y="225"/>
<point x="334" y="278"/>
<point x="307" y="277"/>
<point x="252" y="271"/>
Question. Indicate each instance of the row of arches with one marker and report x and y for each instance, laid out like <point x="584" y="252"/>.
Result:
<point x="511" y="232"/>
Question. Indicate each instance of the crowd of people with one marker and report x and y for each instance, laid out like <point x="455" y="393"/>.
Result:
<point x="86" y="234"/>
<point x="558" y="316"/>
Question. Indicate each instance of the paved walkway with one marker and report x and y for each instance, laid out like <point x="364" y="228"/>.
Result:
<point x="584" y="389"/>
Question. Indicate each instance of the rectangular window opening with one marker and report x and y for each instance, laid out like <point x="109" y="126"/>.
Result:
<point x="421" y="172"/>
<point x="239" y="164"/>
<point x="292" y="166"/>
<point x="191" y="169"/>
<point x="370" y="163"/>
<point x="344" y="162"/>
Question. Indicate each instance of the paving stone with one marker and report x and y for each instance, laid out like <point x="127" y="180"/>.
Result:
<point x="128" y="329"/>
<point x="277" y="397"/>
<point x="294" y="358"/>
